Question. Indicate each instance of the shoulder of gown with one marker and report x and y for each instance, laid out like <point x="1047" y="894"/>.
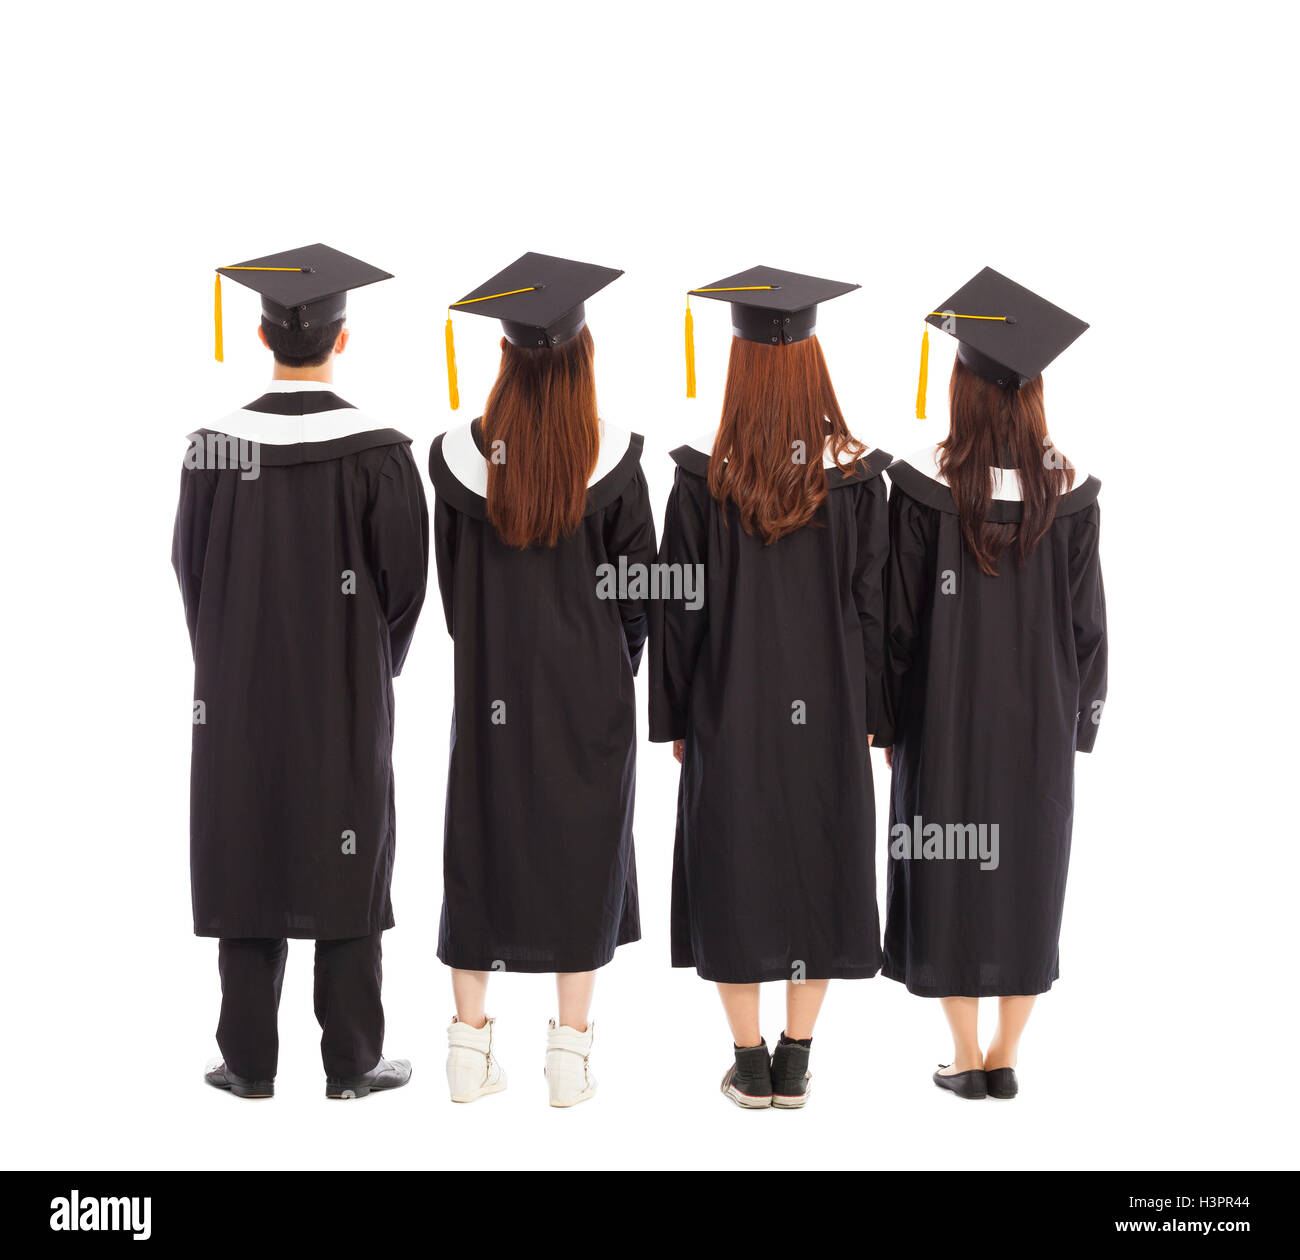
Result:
<point x="302" y="427"/>
<point x="458" y="469"/>
<point x="694" y="458"/>
<point x="918" y="477"/>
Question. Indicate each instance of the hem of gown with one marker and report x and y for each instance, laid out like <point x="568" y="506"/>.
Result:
<point x="551" y="967"/>
<point x="778" y="973"/>
<point x="1033" y="988"/>
<point x="262" y="932"/>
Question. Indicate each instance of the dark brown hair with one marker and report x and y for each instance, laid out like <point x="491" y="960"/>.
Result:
<point x="301" y="347"/>
<point x="992" y="425"/>
<point x="779" y="404"/>
<point x="541" y="420"/>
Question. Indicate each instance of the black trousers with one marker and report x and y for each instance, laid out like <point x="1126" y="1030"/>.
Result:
<point x="349" y="974"/>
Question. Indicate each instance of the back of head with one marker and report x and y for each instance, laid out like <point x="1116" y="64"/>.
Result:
<point x="992" y="425"/>
<point x="298" y="347"/>
<point x="541" y="436"/>
<point x="778" y="413"/>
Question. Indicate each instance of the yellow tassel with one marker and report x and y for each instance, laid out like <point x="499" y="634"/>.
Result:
<point x="690" y="352"/>
<point x="453" y="392"/>
<point x="216" y="318"/>
<point x="925" y="372"/>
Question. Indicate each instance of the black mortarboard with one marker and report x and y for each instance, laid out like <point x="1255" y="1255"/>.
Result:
<point x="307" y="286"/>
<point x="539" y="299"/>
<point x="1004" y="332"/>
<point x="767" y="305"/>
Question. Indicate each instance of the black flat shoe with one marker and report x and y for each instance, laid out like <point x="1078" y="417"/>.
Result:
<point x="1003" y="1083"/>
<point x="386" y="1074"/>
<point x="972" y="1084"/>
<point x="748" y="1082"/>
<point x="221" y="1077"/>
<point x="791" y="1080"/>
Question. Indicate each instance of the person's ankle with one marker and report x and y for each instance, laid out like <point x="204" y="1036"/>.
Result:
<point x="469" y="1023"/>
<point x="967" y="1060"/>
<point x="997" y="1057"/>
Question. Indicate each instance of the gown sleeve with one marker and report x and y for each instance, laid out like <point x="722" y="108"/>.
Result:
<point x="630" y="531"/>
<point x="869" y="596"/>
<point x="190" y="539"/>
<point x="677" y="632"/>
<point x="397" y="535"/>
<point x="1088" y="604"/>
<point x="909" y="582"/>
<point x="446" y="526"/>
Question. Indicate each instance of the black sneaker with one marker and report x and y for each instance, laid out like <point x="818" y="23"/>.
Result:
<point x="791" y="1080"/>
<point x="386" y="1074"/>
<point x="748" y="1082"/>
<point x="219" y="1076"/>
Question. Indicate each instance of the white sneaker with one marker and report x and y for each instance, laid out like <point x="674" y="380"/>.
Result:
<point x="568" y="1064"/>
<point x="472" y="1068"/>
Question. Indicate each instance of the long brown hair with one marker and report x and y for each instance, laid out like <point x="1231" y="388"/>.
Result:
<point x="541" y="438"/>
<point x="777" y="397"/>
<point x="992" y="425"/>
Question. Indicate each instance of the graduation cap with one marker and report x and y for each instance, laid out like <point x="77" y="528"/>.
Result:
<point x="1005" y="333"/>
<point x="307" y="286"/>
<point x="539" y="300"/>
<point x="768" y="305"/>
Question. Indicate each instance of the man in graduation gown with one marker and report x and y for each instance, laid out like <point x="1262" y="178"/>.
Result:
<point x="301" y="548"/>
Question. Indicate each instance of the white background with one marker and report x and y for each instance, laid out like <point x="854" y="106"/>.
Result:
<point x="1130" y="162"/>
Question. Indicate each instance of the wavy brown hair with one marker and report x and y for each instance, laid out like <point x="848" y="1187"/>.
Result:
<point x="989" y="426"/>
<point x="779" y="403"/>
<point x="541" y="420"/>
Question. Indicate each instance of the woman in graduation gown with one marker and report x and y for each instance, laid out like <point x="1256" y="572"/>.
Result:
<point x="770" y="683"/>
<point x="535" y="501"/>
<point x="997" y="627"/>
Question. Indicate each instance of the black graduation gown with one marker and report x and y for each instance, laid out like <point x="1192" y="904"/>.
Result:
<point x="302" y="586"/>
<point x="774" y="684"/>
<point x="539" y="871"/>
<point x="998" y="681"/>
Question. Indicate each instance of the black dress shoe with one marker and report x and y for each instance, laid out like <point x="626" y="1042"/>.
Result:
<point x="1003" y="1083"/>
<point x="221" y="1077"/>
<point x="386" y="1074"/>
<point x="791" y="1080"/>
<point x="972" y="1084"/>
<point x="748" y="1082"/>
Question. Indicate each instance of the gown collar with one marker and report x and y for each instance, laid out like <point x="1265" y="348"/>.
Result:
<point x="695" y="457"/>
<point x="1006" y="479"/>
<point x="918" y="475"/>
<point x="297" y="414"/>
<point x="458" y="468"/>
